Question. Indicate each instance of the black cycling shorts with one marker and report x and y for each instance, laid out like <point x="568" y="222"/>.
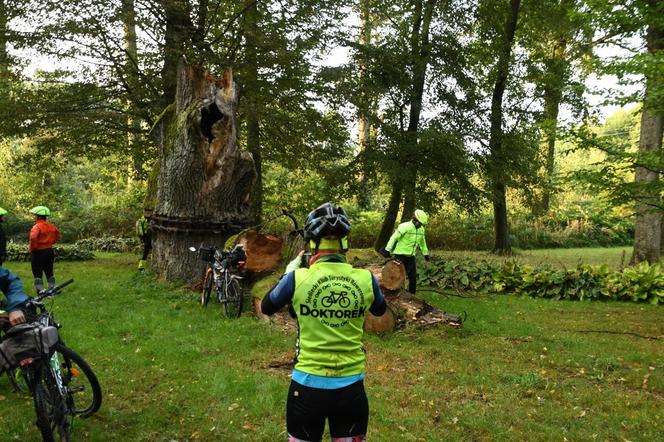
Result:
<point x="346" y="409"/>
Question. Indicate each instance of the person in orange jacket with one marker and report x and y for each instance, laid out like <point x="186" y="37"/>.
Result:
<point x="42" y="237"/>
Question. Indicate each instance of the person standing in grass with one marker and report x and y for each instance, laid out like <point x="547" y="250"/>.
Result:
<point x="3" y="238"/>
<point x="145" y="236"/>
<point x="405" y="241"/>
<point x="329" y="299"/>
<point x="43" y="236"/>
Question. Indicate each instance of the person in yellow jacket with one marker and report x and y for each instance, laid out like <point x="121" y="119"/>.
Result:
<point x="330" y="300"/>
<point x="405" y="241"/>
<point x="145" y="235"/>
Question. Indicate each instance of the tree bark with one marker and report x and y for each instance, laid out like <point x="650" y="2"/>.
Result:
<point x="390" y="217"/>
<point x="496" y="148"/>
<point x="553" y="94"/>
<point x="252" y="95"/>
<point x="133" y="86"/>
<point x="648" y="226"/>
<point x="420" y="55"/>
<point x="179" y="31"/>
<point x="364" y="108"/>
<point x="205" y="180"/>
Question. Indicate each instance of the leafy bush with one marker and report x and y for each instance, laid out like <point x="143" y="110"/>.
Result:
<point x="110" y="244"/>
<point x="641" y="283"/>
<point x="63" y="252"/>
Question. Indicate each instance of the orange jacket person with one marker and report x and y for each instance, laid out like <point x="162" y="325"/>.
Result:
<point x="42" y="237"/>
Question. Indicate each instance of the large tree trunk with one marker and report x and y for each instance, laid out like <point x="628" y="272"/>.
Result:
<point x="648" y="229"/>
<point x="205" y="180"/>
<point x="497" y="149"/>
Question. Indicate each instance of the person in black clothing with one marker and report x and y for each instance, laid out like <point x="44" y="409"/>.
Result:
<point x="3" y="238"/>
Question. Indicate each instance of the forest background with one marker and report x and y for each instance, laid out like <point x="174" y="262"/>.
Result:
<point x="476" y="111"/>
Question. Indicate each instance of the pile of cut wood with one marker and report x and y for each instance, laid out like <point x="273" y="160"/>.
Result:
<point x="264" y="258"/>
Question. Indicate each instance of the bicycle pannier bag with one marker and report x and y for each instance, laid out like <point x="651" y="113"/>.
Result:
<point x="27" y="341"/>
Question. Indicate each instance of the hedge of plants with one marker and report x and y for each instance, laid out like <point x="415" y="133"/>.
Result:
<point x="110" y="244"/>
<point x="641" y="283"/>
<point x="63" y="252"/>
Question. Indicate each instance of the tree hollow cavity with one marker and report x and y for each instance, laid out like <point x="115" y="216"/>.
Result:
<point x="209" y="116"/>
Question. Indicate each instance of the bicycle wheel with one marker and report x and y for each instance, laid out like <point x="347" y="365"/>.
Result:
<point x="207" y="288"/>
<point x="18" y="380"/>
<point x="81" y="382"/>
<point x="234" y="298"/>
<point x="54" y="418"/>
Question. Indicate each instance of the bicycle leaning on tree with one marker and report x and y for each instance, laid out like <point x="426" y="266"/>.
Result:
<point x="61" y="382"/>
<point x="221" y="275"/>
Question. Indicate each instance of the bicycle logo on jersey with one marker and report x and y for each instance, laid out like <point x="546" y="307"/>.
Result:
<point x="340" y="298"/>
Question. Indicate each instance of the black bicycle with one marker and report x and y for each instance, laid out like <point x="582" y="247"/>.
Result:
<point x="221" y="274"/>
<point x="60" y="381"/>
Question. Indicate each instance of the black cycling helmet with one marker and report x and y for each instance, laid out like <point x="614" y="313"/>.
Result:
<point x="327" y="221"/>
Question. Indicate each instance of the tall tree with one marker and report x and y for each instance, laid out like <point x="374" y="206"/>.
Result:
<point x="648" y="229"/>
<point x="498" y="149"/>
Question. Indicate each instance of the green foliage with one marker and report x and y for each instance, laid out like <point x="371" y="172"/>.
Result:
<point x="109" y="244"/>
<point x="63" y="252"/>
<point x="642" y="283"/>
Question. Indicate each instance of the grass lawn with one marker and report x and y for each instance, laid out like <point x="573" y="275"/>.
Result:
<point x="519" y="369"/>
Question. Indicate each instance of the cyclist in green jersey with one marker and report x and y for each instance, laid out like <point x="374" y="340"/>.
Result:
<point x="330" y="299"/>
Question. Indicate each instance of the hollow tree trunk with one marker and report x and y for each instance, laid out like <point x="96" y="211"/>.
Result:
<point x="204" y="183"/>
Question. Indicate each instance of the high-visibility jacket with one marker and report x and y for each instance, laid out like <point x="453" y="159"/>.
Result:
<point x="406" y="239"/>
<point x="331" y="300"/>
<point x="43" y="235"/>
<point x="142" y="226"/>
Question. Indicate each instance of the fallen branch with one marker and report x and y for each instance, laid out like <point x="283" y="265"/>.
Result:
<point x="654" y="338"/>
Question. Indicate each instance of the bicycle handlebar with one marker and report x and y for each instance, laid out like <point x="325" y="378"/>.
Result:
<point x="49" y="292"/>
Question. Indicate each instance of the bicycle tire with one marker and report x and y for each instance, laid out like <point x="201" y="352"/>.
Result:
<point x="344" y="302"/>
<point x="53" y="417"/>
<point x="81" y="382"/>
<point x="234" y="298"/>
<point x="207" y="288"/>
<point x="18" y="380"/>
<point x="326" y="301"/>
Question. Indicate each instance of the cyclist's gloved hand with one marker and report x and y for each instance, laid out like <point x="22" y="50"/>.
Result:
<point x="427" y="257"/>
<point x="385" y="253"/>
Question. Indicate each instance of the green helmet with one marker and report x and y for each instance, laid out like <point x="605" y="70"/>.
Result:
<point x="3" y="212"/>
<point x="40" y="210"/>
<point x="421" y="216"/>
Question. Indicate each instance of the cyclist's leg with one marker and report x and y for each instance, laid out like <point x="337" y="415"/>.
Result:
<point x="411" y="271"/>
<point x="305" y="413"/>
<point x="36" y="264"/>
<point x="48" y="267"/>
<point x="349" y="415"/>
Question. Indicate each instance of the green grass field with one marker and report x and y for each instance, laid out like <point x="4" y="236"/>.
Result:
<point x="519" y="369"/>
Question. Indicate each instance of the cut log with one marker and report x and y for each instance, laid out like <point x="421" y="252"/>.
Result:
<point x="263" y="251"/>
<point x="393" y="275"/>
<point x="390" y="276"/>
<point x="379" y="324"/>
